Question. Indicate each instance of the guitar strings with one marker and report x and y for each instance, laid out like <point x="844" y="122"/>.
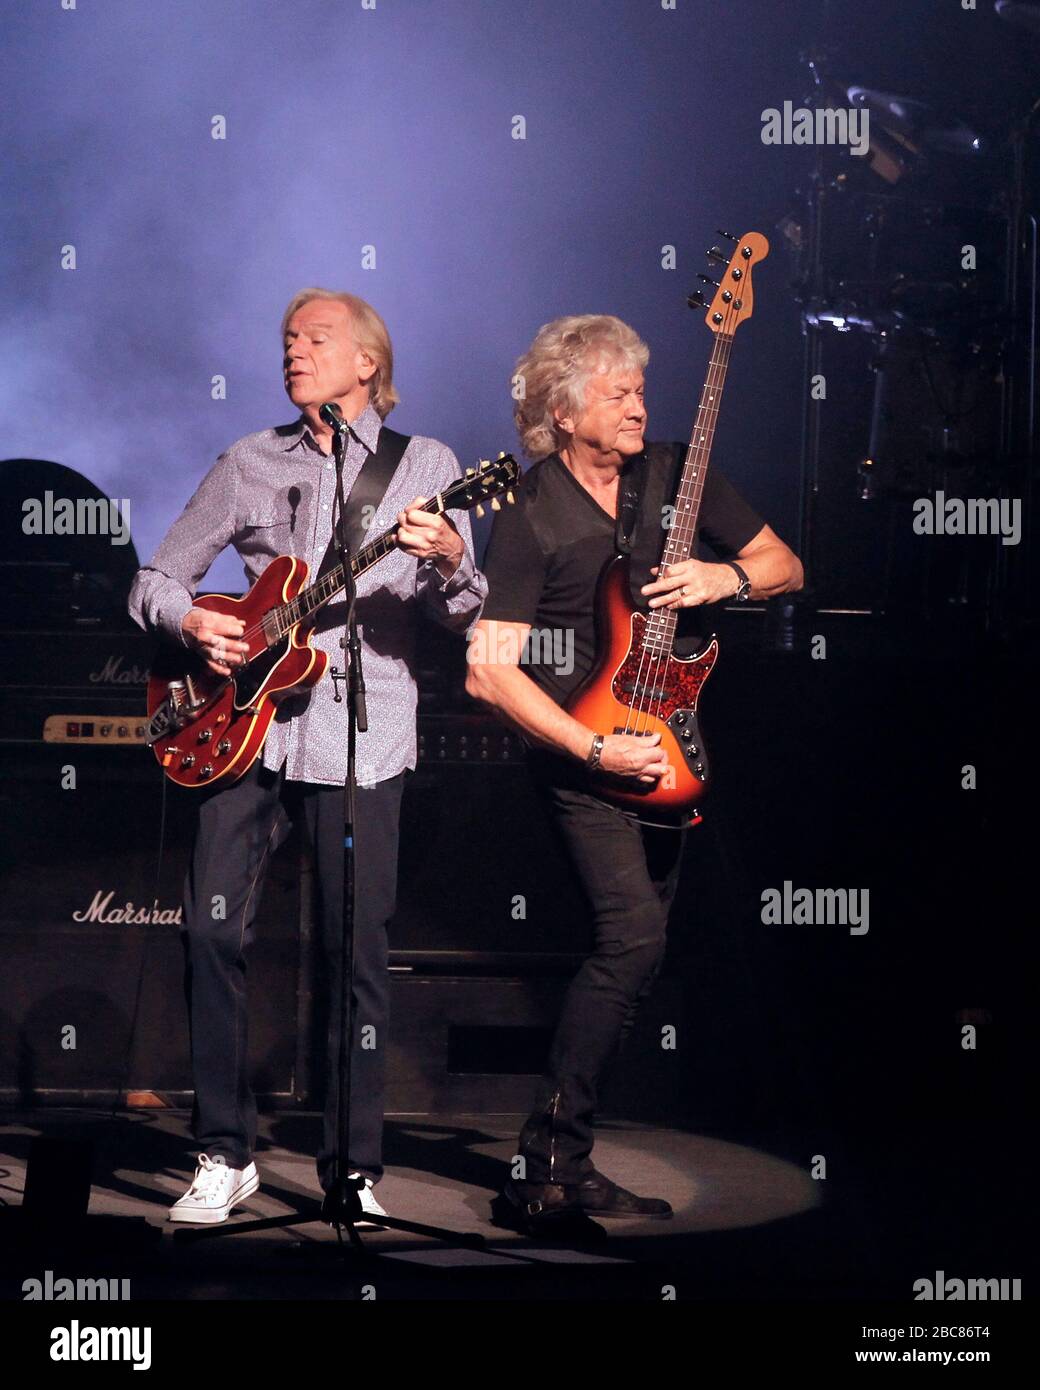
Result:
<point x="655" y="650"/>
<point x="661" y="624"/>
<point x="335" y="576"/>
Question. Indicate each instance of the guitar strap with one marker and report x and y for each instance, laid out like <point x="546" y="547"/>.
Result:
<point x="368" y="491"/>
<point x="646" y="487"/>
<point x="630" y="491"/>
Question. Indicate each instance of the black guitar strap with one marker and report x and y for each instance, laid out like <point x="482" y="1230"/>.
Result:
<point x="368" y="491"/>
<point x="630" y="491"/>
<point x="648" y="484"/>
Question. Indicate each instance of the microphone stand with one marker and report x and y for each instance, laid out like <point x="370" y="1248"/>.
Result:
<point x="342" y="1204"/>
<point x="341" y="1207"/>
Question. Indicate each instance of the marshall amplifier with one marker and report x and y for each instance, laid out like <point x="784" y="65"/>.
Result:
<point x="91" y="994"/>
<point x="74" y="677"/>
<point x="489" y="925"/>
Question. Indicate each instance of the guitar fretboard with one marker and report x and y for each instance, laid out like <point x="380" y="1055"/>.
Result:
<point x="279" y="622"/>
<point x="659" y="633"/>
<point x="479" y="485"/>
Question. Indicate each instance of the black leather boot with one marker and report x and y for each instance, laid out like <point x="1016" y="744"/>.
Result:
<point x="600" y="1197"/>
<point x="546" y="1211"/>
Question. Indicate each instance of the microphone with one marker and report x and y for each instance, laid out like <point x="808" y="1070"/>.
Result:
<point x="333" y="417"/>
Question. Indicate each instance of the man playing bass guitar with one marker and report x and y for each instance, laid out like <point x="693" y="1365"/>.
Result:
<point x="581" y="413"/>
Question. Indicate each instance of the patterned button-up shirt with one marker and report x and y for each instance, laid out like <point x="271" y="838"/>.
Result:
<point x="272" y="494"/>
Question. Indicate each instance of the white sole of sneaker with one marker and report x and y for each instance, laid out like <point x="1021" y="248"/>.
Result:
<point x="215" y="1215"/>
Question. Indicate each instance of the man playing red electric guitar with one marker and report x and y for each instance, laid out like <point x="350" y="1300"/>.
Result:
<point x="271" y="494"/>
<point x="581" y="412"/>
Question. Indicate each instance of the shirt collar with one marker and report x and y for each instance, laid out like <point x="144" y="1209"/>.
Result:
<point x="366" y="427"/>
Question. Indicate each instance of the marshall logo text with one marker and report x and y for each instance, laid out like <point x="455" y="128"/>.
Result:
<point x="128" y="915"/>
<point x="114" y="673"/>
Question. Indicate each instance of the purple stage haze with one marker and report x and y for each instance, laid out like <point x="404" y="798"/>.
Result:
<point x="391" y="128"/>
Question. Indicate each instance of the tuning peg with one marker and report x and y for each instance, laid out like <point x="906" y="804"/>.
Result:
<point x="496" y="505"/>
<point x="728" y="235"/>
<point x="483" y="463"/>
<point x="471" y="472"/>
<point x="718" y="256"/>
<point x="480" y="510"/>
<point x="708" y="280"/>
<point x="501" y="453"/>
<point x="510" y="498"/>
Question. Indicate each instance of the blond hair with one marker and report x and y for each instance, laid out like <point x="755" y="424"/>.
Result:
<point x="553" y="373"/>
<point x="371" y="336"/>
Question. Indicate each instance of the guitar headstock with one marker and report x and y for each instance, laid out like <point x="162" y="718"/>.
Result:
<point x="486" y="483"/>
<point x="734" y="297"/>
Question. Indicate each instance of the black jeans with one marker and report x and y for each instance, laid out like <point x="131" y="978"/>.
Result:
<point x="629" y="874"/>
<point x="239" y="828"/>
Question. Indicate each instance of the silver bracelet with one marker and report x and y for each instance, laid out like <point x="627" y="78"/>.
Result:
<point x="595" y="752"/>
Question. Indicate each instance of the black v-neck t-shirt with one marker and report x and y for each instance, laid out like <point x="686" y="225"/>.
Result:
<point x="548" y="549"/>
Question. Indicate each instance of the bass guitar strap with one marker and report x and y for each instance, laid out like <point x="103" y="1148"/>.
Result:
<point x="647" y="485"/>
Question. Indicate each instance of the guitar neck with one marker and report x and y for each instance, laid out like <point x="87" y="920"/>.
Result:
<point x="659" y="635"/>
<point x="478" y="486"/>
<point x="307" y="602"/>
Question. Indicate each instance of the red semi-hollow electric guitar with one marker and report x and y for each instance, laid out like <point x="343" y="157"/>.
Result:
<point x="638" y="685"/>
<point x="203" y="727"/>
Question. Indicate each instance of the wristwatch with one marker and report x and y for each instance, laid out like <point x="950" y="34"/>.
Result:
<point x="744" y="592"/>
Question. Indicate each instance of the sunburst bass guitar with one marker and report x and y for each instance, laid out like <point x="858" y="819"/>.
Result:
<point x="638" y="685"/>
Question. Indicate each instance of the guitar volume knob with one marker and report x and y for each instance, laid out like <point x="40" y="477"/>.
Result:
<point x="224" y="746"/>
<point x="206" y="771"/>
<point x="188" y="760"/>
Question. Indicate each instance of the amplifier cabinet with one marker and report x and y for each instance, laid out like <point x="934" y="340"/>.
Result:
<point x="86" y="911"/>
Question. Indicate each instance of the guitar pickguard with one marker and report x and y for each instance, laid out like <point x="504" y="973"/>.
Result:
<point x="668" y="685"/>
<point x="251" y="679"/>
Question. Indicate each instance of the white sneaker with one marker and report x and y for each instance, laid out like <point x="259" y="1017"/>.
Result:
<point x="214" y="1191"/>
<point x="369" y="1205"/>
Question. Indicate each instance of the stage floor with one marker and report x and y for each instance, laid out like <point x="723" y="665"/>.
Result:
<point x="747" y="1224"/>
